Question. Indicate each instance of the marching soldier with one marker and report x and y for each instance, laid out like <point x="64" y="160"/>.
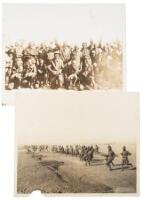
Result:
<point x="96" y="149"/>
<point x="125" y="159"/>
<point x="110" y="157"/>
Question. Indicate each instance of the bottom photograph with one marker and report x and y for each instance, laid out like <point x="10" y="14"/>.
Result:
<point x="77" y="143"/>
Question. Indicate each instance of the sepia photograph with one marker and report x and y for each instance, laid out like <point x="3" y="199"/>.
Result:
<point x="79" y="144"/>
<point x="68" y="47"/>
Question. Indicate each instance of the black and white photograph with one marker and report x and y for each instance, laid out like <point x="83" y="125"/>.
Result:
<point x="64" y="47"/>
<point x="84" y="144"/>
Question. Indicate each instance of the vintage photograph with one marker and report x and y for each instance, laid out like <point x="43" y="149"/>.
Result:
<point x="66" y="46"/>
<point x="79" y="144"/>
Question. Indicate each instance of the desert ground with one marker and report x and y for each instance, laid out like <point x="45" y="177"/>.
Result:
<point x="59" y="173"/>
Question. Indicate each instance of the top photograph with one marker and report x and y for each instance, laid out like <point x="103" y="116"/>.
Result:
<point x="62" y="47"/>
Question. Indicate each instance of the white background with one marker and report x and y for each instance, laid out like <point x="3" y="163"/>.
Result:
<point x="73" y="24"/>
<point x="134" y="83"/>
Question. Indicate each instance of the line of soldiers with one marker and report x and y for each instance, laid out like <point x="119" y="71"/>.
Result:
<point x="62" y="65"/>
<point x="36" y="148"/>
<point x="84" y="153"/>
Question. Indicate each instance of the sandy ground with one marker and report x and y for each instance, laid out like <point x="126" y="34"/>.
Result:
<point x="58" y="173"/>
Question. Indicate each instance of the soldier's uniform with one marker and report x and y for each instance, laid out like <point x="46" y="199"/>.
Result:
<point x="56" y="71"/>
<point x="17" y="65"/>
<point x="96" y="149"/>
<point x="66" y="52"/>
<point x="15" y="79"/>
<point x="29" y="74"/>
<point x="110" y="157"/>
<point x="30" y="52"/>
<point x="41" y="73"/>
<point x="72" y="72"/>
<point x="87" y="73"/>
<point x="125" y="154"/>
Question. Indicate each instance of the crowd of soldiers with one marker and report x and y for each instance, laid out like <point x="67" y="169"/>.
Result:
<point x="84" y="153"/>
<point x="57" y="65"/>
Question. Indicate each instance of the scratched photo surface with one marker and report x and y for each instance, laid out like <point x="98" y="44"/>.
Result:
<point x="62" y="47"/>
<point x="79" y="144"/>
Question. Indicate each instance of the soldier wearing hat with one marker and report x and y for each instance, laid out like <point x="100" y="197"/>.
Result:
<point x="87" y="75"/>
<point x="56" y="70"/>
<point x="73" y="74"/>
<point x="110" y="157"/>
<point x="18" y="50"/>
<point x="96" y="150"/>
<point x="14" y="79"/>
<point x="42" y="52"/>
<point x="85" y="51"/>
<point x="41" y="73"/>
<point x="30" y="51"/>
<point x="29" y="73"/>
<point x="125" y="159"/>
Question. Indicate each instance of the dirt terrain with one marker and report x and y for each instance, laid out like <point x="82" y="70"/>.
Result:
<point x="57" y="173"/>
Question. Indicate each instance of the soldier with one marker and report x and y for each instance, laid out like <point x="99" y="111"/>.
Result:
<point x="76" y="151"/>
<point x="85" y="51"/>
<point x="96" y="149"/>
<point x="87" y="73"/>
<point x="14" y="79"/>
<point x="89" y="155"/>
<point x="67" y="150"/>
<point x="110" y="157"/>
<point x="19" y="64"/>
<point x="10" y="51"/>
<point x="73" y="74"/>
<point x="65" y="52"/>
<point x="18" y="50"/>
<point x="41" y="72"/>
<point x="30" y="53"/>
<point x="56" y="67"/>
<point x="42" y="53"/>
<point x="29" y="74"/>
<point x="91" y="46"/>
<point x="125" y="160"/>
<point x="76" y="55"/>
<point x="71" y="150"/>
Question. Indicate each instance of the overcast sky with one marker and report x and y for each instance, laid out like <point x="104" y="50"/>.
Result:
<point x="72" y="23"/>
<point x="52" y="117"/>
